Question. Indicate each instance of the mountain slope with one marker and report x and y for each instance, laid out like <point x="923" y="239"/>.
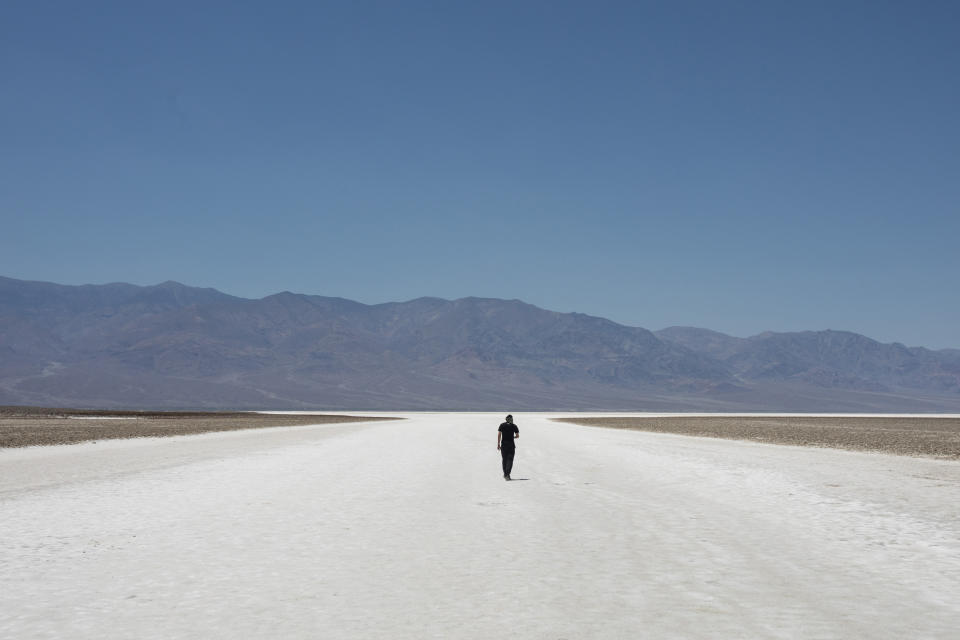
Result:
<point x="829" y="359"/>
<point x="171" y="345"/>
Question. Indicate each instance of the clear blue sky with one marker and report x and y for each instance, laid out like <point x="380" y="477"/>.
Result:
<point x="740" y="166"/>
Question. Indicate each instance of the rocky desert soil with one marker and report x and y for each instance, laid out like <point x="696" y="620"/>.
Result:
<point x="937" y="437"/>
<point x="29" y="426"/>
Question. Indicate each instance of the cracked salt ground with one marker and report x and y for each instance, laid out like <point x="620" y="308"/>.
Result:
<point x="406" y="530"/>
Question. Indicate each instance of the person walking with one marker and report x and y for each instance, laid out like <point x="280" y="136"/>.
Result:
<point x="505" y="437"/>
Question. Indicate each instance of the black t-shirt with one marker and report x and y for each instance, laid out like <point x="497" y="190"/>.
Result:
<point x="508" y="429"/>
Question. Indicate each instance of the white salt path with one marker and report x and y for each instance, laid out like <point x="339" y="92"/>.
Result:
<point x="406" y="530"/>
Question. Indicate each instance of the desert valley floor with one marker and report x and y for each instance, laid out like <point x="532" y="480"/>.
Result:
<point x="405" y="529"/>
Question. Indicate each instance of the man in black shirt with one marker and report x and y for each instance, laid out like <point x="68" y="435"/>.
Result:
<point x="505" y="436"/>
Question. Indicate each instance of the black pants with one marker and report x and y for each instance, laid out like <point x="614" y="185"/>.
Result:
<point x="507" y="455"/>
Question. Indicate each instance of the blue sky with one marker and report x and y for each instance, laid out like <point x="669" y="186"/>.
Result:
<point x="740" y="166"/>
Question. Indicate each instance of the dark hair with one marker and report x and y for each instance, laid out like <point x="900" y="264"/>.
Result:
<point x="510" y="417"/>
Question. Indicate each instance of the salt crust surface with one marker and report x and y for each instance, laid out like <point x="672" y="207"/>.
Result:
<point x="406" y="530"/>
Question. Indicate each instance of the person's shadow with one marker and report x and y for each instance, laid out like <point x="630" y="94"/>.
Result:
<point x="518" y="479"/>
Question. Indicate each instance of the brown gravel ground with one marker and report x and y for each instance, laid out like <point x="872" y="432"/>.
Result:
<point x="926" y="436"/>
<point x="27" y="426"/>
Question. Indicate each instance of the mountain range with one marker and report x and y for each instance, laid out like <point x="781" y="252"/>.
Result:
<point x="175" y="346"/>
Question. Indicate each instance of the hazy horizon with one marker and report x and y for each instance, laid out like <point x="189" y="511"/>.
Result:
<point x="585" y="312"/>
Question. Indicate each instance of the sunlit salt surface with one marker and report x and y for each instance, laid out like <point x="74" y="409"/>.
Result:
<point x="406" y="530"/>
